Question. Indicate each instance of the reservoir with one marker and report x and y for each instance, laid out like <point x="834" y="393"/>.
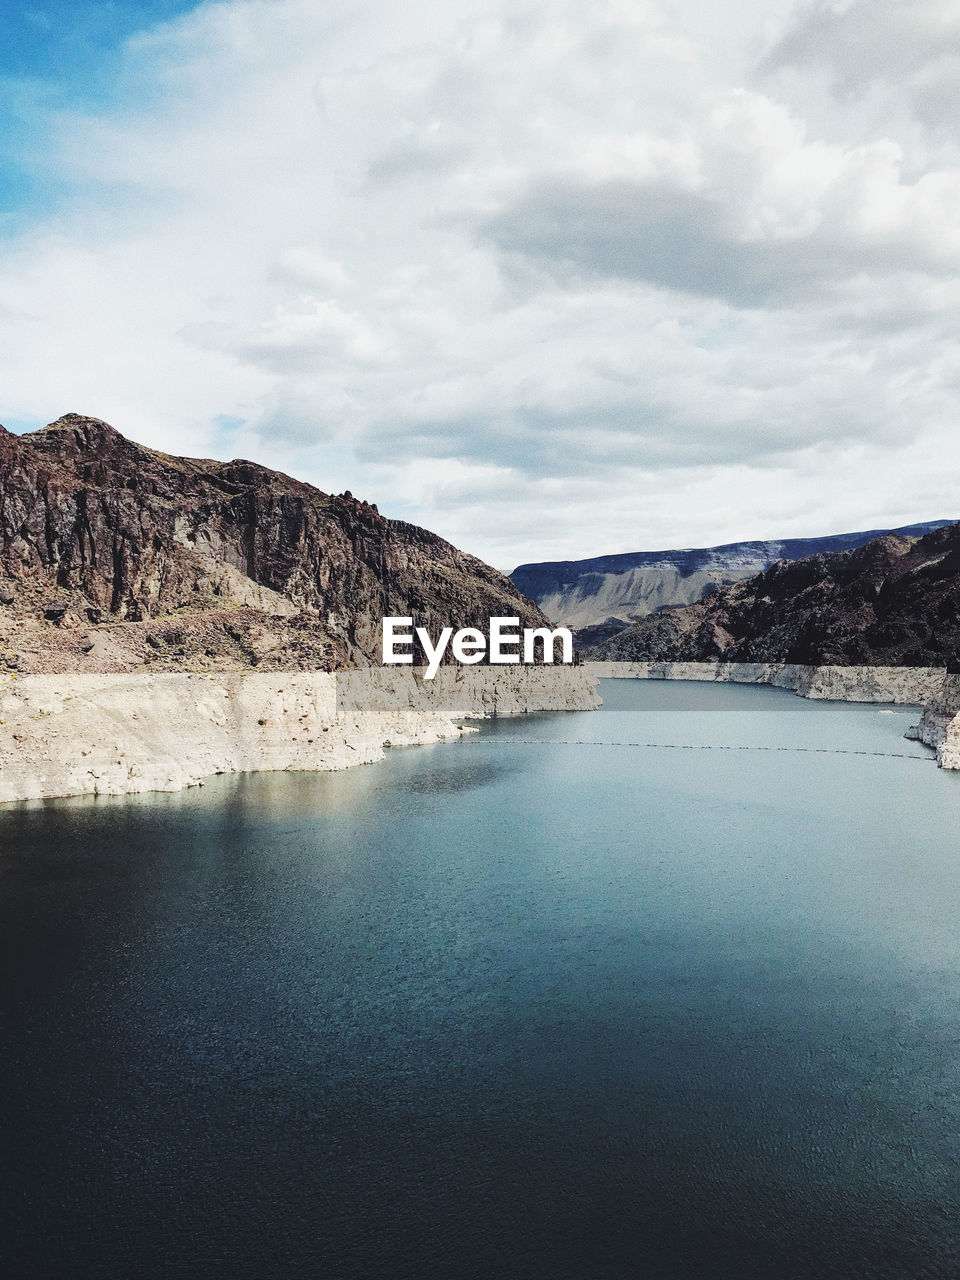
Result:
<point x="667" y="990"/>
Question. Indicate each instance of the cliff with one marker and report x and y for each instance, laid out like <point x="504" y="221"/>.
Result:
<point x="116" y="557"/>
<point x="603" y="595"/>
<point x="893" y="602"/>
<point x="122" y="734"/>
<point x="910" y="686"/>
<point x="931" y="688"/>
<point x="939" y="725"/>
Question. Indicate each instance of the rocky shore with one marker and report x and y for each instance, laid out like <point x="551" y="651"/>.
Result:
<point x="931" y="688"/>
<point x="939" y="725"/>
<point x="119" y="734"/>
<point x="127" y="733"/>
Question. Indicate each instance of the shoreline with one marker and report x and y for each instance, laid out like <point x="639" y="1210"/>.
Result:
<point x="132" y="733"/>
<point x="127" y="734"/>
<point x="933" y="690"/>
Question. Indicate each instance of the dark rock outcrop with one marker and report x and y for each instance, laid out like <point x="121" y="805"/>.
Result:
<point x="893" y="602"/>
<point x="169" y="561"/>
<point x="601" y="596"/>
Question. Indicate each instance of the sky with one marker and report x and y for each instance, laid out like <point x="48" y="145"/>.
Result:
<point x="555" y="280"/>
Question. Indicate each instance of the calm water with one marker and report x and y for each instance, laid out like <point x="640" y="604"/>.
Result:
<point x="502" y="1008"/>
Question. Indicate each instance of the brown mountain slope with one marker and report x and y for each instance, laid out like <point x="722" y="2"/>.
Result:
<point x="113" y="556"/>
<point x="895" y="601"/>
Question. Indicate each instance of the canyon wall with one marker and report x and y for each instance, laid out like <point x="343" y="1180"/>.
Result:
<point x="929" y="687"/>
<point x="912" y="685"/>
<point x="604" y="595"/>
<point x="890" y="603"/>
<point x="939" y="725"/>
<point x="117" y="558"/>
<point x="118" y="734"/>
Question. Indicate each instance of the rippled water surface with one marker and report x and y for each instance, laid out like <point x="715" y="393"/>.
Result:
<point x="528" y="1005"/>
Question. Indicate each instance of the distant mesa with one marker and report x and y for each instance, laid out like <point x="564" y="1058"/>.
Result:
<point x="602" y="596"/>
<point x="893" y="602"/>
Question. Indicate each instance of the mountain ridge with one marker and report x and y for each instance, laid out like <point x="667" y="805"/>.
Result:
<point x="115" y="556"/>
<point x="602" y="595"/>
<point x="893" y="602"/>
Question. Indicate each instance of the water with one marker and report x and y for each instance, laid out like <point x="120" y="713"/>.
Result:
<point x="503" y="1008"/>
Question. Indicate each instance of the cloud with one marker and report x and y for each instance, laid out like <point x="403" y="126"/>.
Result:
<point x="547" y="278"/>
<point x="866" y="40"/>
<point x="771" y="220"/>
<point x="912" y="51"/>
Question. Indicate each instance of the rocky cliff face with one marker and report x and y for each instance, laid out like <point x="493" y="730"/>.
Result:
<point x="123" y="734"/>
<point x="115" y="557"/>
<point x="602" y="596"/>
<point x="893" y="602"/>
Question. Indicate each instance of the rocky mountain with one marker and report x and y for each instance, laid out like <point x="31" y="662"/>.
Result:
<point x="894" y="601"/>
<point x="115" y="557"/>
<point x="601" y="596"/>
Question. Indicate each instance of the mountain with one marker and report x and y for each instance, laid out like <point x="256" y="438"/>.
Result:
<point x="114" y="556"/>
<point x="893" y="602"/>
<point x="601" y="596"/>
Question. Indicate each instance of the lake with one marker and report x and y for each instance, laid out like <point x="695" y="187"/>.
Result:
<point x="666" y="990"/>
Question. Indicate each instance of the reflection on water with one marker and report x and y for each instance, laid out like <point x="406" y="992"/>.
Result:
<point x="497" y="1009"/>
<point x="469" y="775"/>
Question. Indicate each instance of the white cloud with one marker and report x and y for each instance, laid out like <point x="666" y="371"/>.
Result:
<point x="862" y="41"/>
<point x="550" y="279"/>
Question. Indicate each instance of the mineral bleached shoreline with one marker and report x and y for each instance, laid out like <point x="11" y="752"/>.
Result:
<point x="122" y="734"/>
<point x="912" y="685"/>
<point x="939" y="725"/>
<point x="931" y="688"/>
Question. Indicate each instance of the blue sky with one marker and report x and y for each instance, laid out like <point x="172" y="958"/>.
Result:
<point x="63" y="40"/>
<point x="553" y="279"/>
<point x="54" y="55"/>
